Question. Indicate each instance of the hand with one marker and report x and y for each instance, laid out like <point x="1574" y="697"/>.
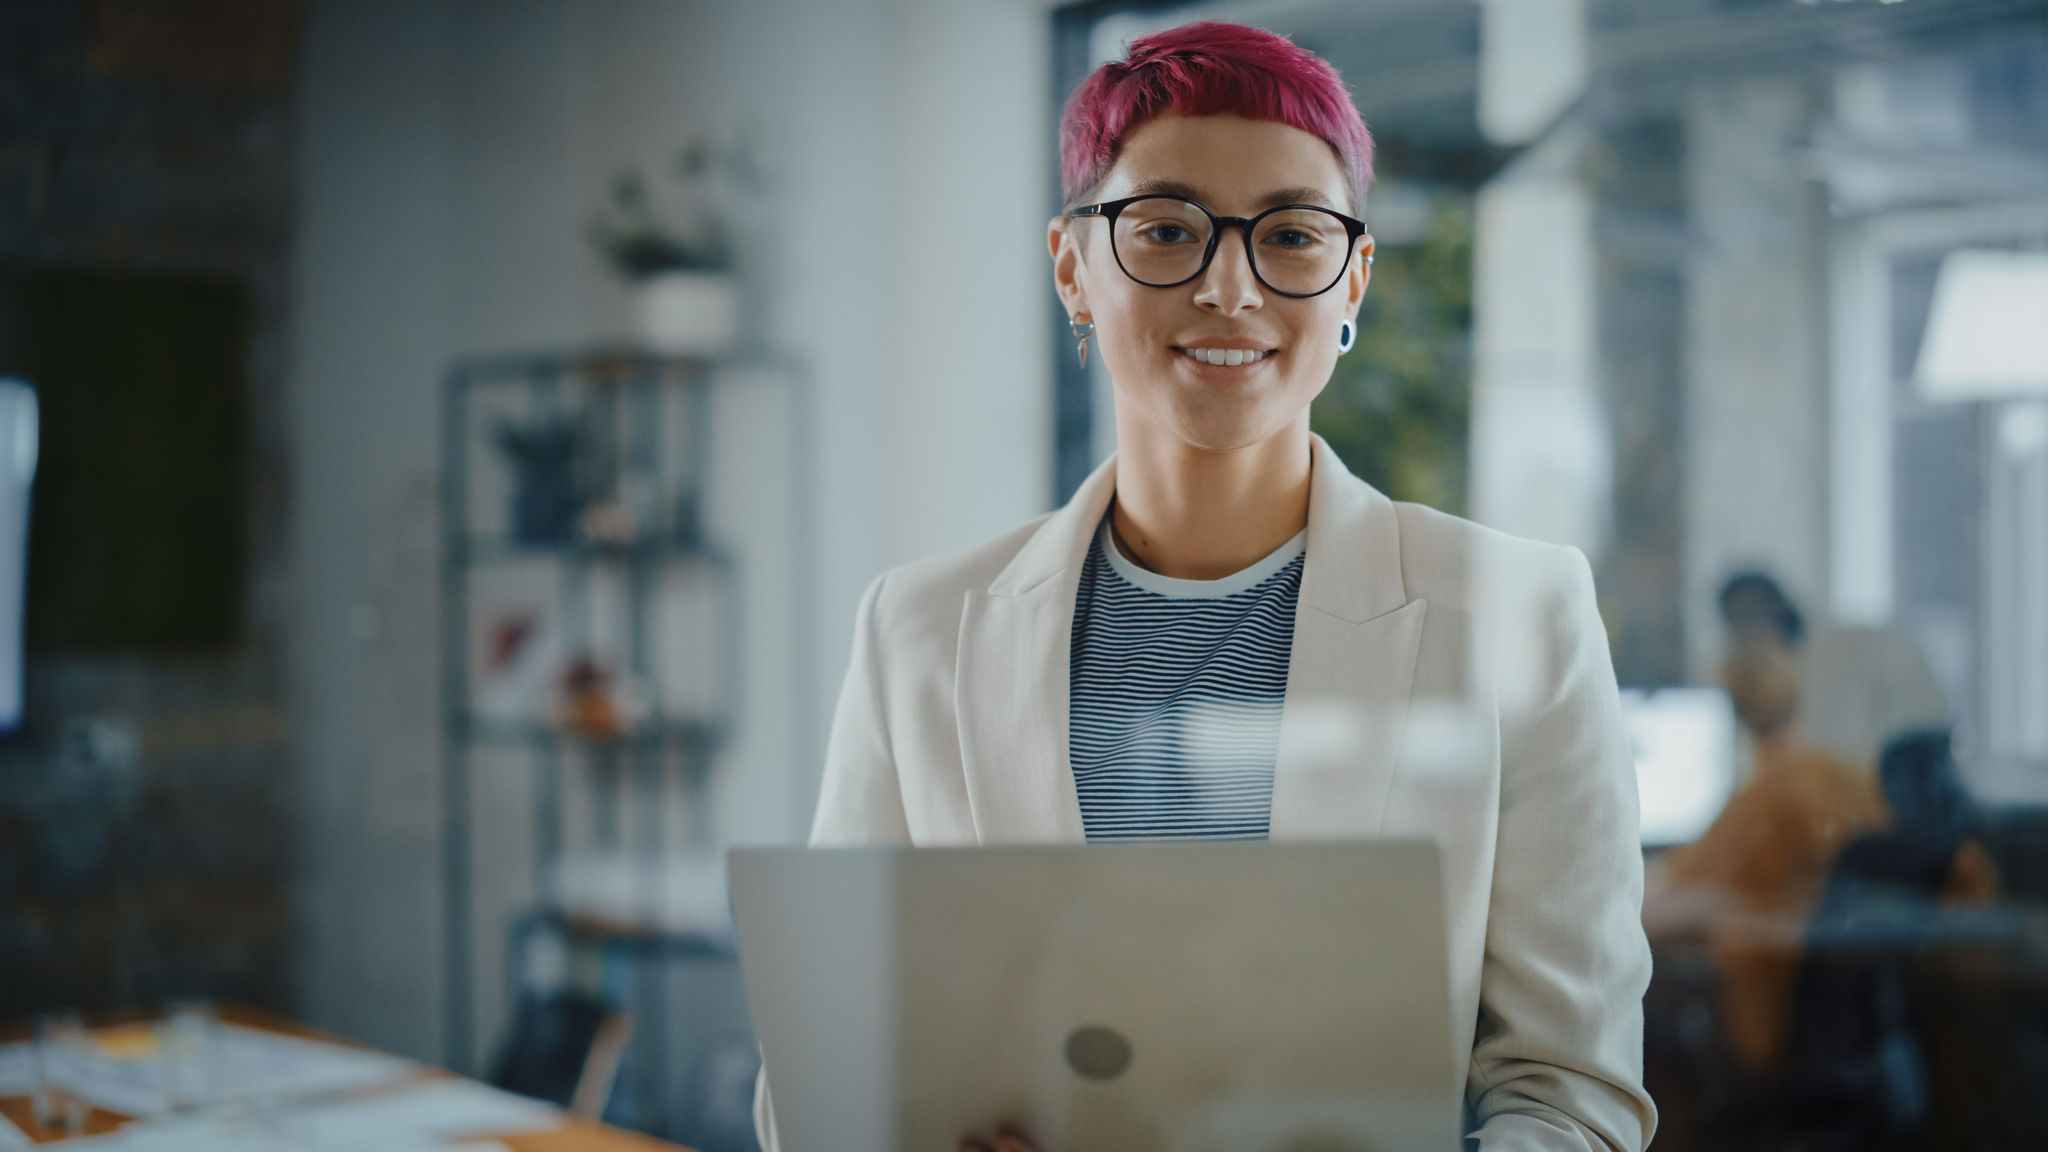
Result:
<point x="1009" y="1138"/>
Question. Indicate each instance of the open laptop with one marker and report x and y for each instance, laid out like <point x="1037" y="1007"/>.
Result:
<point x="1185" y="997"/>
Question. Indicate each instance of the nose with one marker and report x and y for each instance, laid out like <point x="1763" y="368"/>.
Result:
<point x="1228" y="287"/>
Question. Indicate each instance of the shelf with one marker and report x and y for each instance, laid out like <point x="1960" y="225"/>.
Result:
<point x="474" y="730"/>
<point x="669" y="598"/>
<point x="637" y="935"/>
<point x="488" y="550"/>
<point x="598" y="364"/>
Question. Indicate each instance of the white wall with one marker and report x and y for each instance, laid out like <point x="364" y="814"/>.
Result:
<point x="450" y="156"/>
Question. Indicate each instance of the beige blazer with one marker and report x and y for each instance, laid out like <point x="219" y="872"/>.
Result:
<point x="1446" y="681"/>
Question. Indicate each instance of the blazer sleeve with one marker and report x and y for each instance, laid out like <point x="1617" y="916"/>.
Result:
<point x="860" y="800"/>
<point x="1557" y="1060"/>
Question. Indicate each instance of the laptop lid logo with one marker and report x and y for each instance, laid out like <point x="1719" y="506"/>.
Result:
<point x="1098" y="1053"/>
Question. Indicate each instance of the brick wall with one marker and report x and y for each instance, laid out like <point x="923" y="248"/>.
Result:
<point x="145" y="835"/>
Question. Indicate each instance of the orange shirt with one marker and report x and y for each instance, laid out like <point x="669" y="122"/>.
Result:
<point x="1762" y="866"/>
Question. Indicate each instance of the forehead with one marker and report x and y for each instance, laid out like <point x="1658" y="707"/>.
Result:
<point x="1231" y="164"/>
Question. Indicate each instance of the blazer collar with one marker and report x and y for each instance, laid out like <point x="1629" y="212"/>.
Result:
<point x="1010" y="694"/>
<point x="1356" y="639"/>
<point x="1061" y="542"/>
<point x="1353" y="570"/>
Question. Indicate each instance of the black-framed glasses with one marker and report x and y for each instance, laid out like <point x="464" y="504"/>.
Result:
<point x="1162" y="241"/>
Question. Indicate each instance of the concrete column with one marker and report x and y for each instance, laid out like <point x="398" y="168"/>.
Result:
<point x="1541" y="460"/>
<point x="1756" y="440"/>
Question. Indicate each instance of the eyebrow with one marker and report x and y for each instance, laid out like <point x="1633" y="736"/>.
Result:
<point x="1300" y="195"/>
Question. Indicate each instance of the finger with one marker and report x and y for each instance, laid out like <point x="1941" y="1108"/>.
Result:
<point x="1013" y="1138"/>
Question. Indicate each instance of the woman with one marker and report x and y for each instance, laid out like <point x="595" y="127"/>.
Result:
<point x="1225" y="634"/>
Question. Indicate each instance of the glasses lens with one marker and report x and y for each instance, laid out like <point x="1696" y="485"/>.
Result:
<point x="1160" y="240"/>
<point x="1300" y="250"/>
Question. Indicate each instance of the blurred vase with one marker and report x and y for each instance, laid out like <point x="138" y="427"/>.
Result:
<point x="687" y="313"/>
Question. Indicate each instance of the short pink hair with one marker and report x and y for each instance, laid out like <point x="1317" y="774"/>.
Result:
<point x="1203" y="70"/>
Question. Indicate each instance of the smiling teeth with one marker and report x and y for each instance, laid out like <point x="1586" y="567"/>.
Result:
<point x="1225" y="357"/>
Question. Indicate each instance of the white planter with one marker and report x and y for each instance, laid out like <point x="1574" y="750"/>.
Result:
<point x="687" y="313"/>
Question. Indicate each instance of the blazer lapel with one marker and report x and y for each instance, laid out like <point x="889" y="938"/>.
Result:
<point x="1011" y="690"/>
<point x="1356" y="638"/>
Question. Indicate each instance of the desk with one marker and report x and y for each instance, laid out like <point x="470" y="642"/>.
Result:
<point x="575" y="1134"/>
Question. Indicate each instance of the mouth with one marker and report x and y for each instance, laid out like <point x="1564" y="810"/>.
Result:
<point x="1227" y="357"/>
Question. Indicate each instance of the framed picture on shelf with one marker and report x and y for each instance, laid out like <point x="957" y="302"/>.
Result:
<point x="516" y="649"/>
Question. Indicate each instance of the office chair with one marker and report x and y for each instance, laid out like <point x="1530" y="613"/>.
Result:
<point x="564" y="1048"/>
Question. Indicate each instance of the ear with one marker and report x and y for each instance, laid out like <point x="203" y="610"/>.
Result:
<point x="1359" y="275"/>
<point x="1067" y="264"/>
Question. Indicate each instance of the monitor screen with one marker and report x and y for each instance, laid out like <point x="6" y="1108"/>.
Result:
<point x="19" y="442"/>
<point x="1684" y="742"/>
<point x="137" y="543"/>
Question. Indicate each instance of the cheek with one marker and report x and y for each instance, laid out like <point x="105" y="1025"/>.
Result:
<point x="1318" y="349"/>
<point x="1131" y="318"/>
<point x="1314" y="340"/>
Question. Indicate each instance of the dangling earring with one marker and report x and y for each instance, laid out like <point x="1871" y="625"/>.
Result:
<point x="1083" y="329"/>
<point x="1346" y="333"/>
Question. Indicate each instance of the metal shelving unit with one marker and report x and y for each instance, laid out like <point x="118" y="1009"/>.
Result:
<point x="640" y="426"/>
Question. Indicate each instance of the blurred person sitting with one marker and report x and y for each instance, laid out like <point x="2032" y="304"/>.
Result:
<point x="1754" y="605"/>
<point x="1859" y="1037"/>
<point x="1858" y="686"/>
<point x="1931" y="851"/>
<point x="1746" y="887"/>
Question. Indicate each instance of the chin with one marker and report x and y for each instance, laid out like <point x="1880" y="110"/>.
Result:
<point x="1209" y="420"/>
<point x="1213" y="432"/>
<point x="1225" y="424"/>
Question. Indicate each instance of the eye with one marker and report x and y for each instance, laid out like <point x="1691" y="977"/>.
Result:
<point x="1166" y="232"/>
<point x="1293" y="238"/>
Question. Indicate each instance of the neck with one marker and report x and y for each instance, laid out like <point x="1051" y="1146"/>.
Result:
<point x="1201" y="514"/>
<point x="1779" y="739"/>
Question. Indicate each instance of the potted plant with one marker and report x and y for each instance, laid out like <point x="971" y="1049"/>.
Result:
<point x="678" y="262"/>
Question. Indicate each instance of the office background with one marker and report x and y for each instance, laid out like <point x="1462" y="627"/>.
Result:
<point x="1664" y="280"/>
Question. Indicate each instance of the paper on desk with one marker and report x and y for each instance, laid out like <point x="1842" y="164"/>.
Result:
<point x="10" y="1136"/>
<point x="238" y="1063"/>
<point x="17" y="1070"/>
<point x="246" y="1134"/>
<point x="426" y="1111"/>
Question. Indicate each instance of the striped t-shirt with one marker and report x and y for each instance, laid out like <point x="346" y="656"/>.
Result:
<point x="1175" y="691"/>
